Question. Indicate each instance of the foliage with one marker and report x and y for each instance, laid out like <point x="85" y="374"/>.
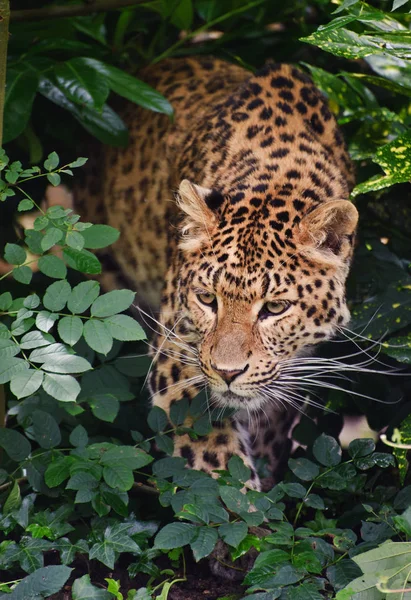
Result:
<point x="84" y="483"/>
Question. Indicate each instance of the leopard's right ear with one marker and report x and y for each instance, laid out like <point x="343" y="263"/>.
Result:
<point x="200" y="206"/>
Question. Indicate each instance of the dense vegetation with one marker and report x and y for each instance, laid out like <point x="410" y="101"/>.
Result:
<point x="87" y="497"/>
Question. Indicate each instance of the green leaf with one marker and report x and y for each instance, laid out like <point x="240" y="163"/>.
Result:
<point x="179" y="411"/>
<point x="98" y="336"/>
<point x="304" y="469"/>
<point x="26" y="383"/>
<point x="124" y="328"/>
<point x="120" y="477"/>
<point x="54" y="179"/>
<point x="52" y="161"/>
<point x="13" y="499"/>
<point x="10" y="366"/>
<point x="394" y="159"/>
<point x="106" y="125"/>
<point x="58" y="470"/>
<point x="66" y="363"/>
<point x="75" y="240"/>
<point x="83" y="590"/>
<point x="99" y="236"/>
<point x="14" y="254"/>
<point x="8" y="348"/>
<point x="62" y="387"/>
<point x="23" y="274"/>
<point x="42" y="583"/>
<point x="157" y="419"/>
<point x="82" y="260"/>
<point x="131" y="88"/>
<point x="204" y="542"/>
<point x="45" y="320"/>
<point x="17" y="446"/>
<point x="294" y="490"/>
<point x="43" y="353"/>
<point x="82" y="84"/>
<point x="6" y="300"/>
<point x="167" y="467"/>
<point x="327" y="451"/>
<point x="360" y="448"/>
<point x="70" y="329"/>
<point x="125" y="456"/>
<point x="203" y="425"/>
<point x="68" y="550"/>
<point x="233" y="533"/>
<point x="81" y="480"/>
<point x="56" y="212"/>
<point x="23" y="324"/>
<point x="104" y="406"/>
<point x="46" y="431"/>
<point x="34" y="339"/>
<point x="79" y="437"/>
<point x="235" y="500"/>
<point x="112" y="303"/>
<point x="79" y="162"/>
<point x="56" y="295"/>
<point x="50" y="238"/>
<point x="82" y="296"/>
<point x="175" y="535"/>
<point x="33" y="241"/>
<point x="182" y="15"/>
<point x="304" y="591"/>
<point x="266" y="566"/>
<point x="164" y="443"/>
<point x="314" y="501"/>
<point x="20" y="92"/>
<point x="238" y="469"/>
<point x="25" y="204"/>
<point x="40" y="223"/>
<point x="31" y="301"/>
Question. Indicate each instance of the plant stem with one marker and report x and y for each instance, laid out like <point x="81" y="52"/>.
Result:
<point x="4" y="40"/>
<point x="204" y="27"/>
<point x="71" y="10"/>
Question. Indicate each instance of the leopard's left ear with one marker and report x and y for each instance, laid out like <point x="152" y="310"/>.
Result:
<point x="200" y="206"/>
<point x="327" y="232"/>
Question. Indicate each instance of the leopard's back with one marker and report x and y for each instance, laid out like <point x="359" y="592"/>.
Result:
<point x="133" y="188"/>
<point x="217" y="107"/>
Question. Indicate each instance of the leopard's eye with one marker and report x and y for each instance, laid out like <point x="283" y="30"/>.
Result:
<point x="208" y="299"/>
<point x="274" y="308"/>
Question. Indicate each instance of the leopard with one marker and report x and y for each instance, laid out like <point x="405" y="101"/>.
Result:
<point x="236" y="230"/>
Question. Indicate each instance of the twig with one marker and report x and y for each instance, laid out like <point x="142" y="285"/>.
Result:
<point x="386" y="441"/>
<point x="71" y="10"/>
<point x="10" y="483"/>
<point x="147" y="489"/>
<point x="4" y="40"/>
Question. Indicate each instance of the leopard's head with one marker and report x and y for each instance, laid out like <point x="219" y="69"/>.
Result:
<point x="262" y="280"/>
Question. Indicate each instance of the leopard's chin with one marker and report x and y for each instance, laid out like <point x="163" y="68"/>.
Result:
<point x="250" y="401"/>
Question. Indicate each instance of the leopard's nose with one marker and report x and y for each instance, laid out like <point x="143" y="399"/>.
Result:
<point x="228" y="375"/>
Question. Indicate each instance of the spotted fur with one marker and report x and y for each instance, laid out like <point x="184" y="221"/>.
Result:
<point x="262" y="178"/>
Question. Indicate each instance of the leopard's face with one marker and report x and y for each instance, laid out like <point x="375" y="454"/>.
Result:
<point x="253" y="326"/>
<point x="257" y="307"/>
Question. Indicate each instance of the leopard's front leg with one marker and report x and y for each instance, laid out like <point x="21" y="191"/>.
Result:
<point x="175" y="378"/>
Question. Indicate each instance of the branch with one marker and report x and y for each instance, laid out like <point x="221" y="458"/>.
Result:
<point x="146" y="489"/>
<point x="71" y="10"/>
<point x="4" y="40"/>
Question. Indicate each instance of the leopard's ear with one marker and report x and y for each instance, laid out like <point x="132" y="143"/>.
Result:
<point x="327" y="232"/>
<point x="200" y="206"/>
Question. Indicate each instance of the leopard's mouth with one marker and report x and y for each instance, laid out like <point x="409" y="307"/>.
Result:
<point x="229" y="399"/>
